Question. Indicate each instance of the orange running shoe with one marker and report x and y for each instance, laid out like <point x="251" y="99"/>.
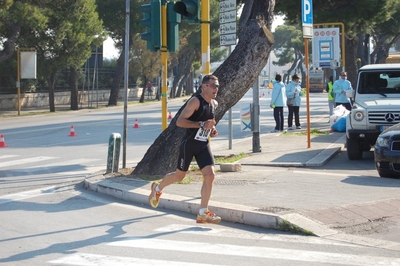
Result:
<point x="154" y="196"/>
<point x="208" y="217"/>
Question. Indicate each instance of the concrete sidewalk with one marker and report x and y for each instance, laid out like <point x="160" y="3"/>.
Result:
<point x="247" y="196"/>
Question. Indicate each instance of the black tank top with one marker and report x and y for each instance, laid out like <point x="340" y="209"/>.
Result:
<point x="206" y="111"/>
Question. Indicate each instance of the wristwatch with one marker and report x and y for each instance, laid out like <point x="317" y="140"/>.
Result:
<point x="201" y="123"/>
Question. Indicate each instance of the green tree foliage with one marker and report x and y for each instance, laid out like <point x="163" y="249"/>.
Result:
<point x="289" y="49"/>
<point x="72" y="30"/>
<point x="5" y="4"/>
<point x="16" y="19"/>
<point x="386" y="34"/>
<point x="63" y="34"/>
<point x="112" y="13"/>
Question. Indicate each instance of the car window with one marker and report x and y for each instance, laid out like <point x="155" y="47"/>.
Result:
<point x="386" y="82"/>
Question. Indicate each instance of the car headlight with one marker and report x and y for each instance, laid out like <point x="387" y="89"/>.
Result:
<point x="358" y="116"/>
<point x="382" y="142"/>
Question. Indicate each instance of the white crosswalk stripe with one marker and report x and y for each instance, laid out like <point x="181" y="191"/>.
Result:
<point x="26" y="194"/>
<point x="229" y="250"/>
<point x="7" y="156"/>
<point x="260" y="252"/>
<point x="37" y="164"/>
<point x="85" y="259"/>
<point x="58" y="164"/>
<point x="25" y="161"/>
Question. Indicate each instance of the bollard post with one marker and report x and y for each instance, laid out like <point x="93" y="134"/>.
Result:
<point x="114" y="147"/>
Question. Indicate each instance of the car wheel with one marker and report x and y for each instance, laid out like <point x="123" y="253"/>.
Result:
<point x="354" y="149"/>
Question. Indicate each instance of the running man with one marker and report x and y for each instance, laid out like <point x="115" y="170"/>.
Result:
<point x="198" y="117"/>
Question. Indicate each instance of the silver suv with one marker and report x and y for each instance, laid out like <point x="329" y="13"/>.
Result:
<point x="376" y="107"/>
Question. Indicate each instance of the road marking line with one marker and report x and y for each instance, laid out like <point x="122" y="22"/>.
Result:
<point x="26" y="194"/>
<point x="26" y="161"/>
<point x="86" y="259"/>
<point x="320" y="173"/>
<point x="59" y="164"/>
<point x="7" y="156"/>
<point x="253" y="251"/>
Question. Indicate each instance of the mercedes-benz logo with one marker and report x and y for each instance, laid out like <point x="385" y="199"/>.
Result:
<point x="389" y="117"/>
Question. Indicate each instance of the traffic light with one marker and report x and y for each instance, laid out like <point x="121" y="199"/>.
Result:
<point x="173" y="20"/>
<point x="189" y="9"/>
<point x="152" y="21"/>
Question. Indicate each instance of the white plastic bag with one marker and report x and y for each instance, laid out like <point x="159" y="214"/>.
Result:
<point x="338" y="112"/>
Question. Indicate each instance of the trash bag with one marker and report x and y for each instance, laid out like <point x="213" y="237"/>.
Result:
<point x="340" y="125"/>
<point x="338" y="112"/>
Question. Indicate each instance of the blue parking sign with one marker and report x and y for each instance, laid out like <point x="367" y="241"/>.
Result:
<point x="307" y="12"/>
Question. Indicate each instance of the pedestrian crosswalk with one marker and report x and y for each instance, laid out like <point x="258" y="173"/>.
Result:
<point x="261" y="252"/>
<point x="15" y="165"/>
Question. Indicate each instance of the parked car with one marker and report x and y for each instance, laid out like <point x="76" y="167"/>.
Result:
<point x="387" y="152"/>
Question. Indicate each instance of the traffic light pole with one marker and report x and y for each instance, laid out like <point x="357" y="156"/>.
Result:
<point x="205" y="37"/>
<point x="164" y="63"/>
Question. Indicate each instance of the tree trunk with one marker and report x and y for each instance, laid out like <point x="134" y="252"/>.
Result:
<point x="117" y="78"/>
<point x="144" y="91"/>
<point x="73" y="81"/>
<point x="118" y="75"/>
<point x="351" y="63"/>
<point x="182" y="69"/>
<point x="236" y="75"/>
<point x="50" y="82"/>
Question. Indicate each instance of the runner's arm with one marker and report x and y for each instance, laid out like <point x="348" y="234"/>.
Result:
<point x="190" y="108"/>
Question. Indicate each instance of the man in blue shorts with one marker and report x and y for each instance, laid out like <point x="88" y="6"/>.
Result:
<point x="198" y="117"/>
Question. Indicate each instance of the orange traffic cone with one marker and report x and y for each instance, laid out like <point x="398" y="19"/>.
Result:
<point x="170" y="116"/>
<point x="136" y="125"/>
<point x="72" y="132"/>
<point x="2" y="142"/>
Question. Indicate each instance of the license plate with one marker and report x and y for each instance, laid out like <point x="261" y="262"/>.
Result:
<point x="383" y="128"/>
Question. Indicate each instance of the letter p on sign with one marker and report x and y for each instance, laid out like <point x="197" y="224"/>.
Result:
<point x="307" y="17"/>
<point x="307" y="12"/>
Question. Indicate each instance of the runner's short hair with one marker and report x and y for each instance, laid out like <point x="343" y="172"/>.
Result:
<point x="207" y="78"/>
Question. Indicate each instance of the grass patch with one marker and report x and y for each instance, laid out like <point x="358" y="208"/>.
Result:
<point x="289" y="227"/>
<point x="230" y="158"/>
<point x="313" y="132"/>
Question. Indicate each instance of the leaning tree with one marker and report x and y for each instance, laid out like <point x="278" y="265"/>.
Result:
<point x="236" y="75"/>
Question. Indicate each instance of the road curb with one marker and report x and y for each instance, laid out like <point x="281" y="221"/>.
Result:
<point x="234" y="213"/>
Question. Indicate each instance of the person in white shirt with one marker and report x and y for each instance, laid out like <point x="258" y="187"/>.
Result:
<point x="339" y="88"/>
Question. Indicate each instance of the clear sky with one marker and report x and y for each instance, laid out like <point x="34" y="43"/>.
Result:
<point x="109" y="50"/>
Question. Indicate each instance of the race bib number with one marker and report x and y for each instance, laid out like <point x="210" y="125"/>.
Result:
<point x="202" y="134"/>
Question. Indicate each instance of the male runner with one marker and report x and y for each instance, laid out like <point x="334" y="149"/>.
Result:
<point x="198" y="117"/>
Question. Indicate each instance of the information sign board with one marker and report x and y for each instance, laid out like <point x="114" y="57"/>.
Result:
<point x="227" y="20"/>
<point x="325" y="47"/>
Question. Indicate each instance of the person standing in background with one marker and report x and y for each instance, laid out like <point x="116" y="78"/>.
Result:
<point x="149" y="89"/>
<point x="331" y="95"/>
<point x="293" y="90"/>
<point x="278" y="101"/>
<point x="339" y="88"/>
